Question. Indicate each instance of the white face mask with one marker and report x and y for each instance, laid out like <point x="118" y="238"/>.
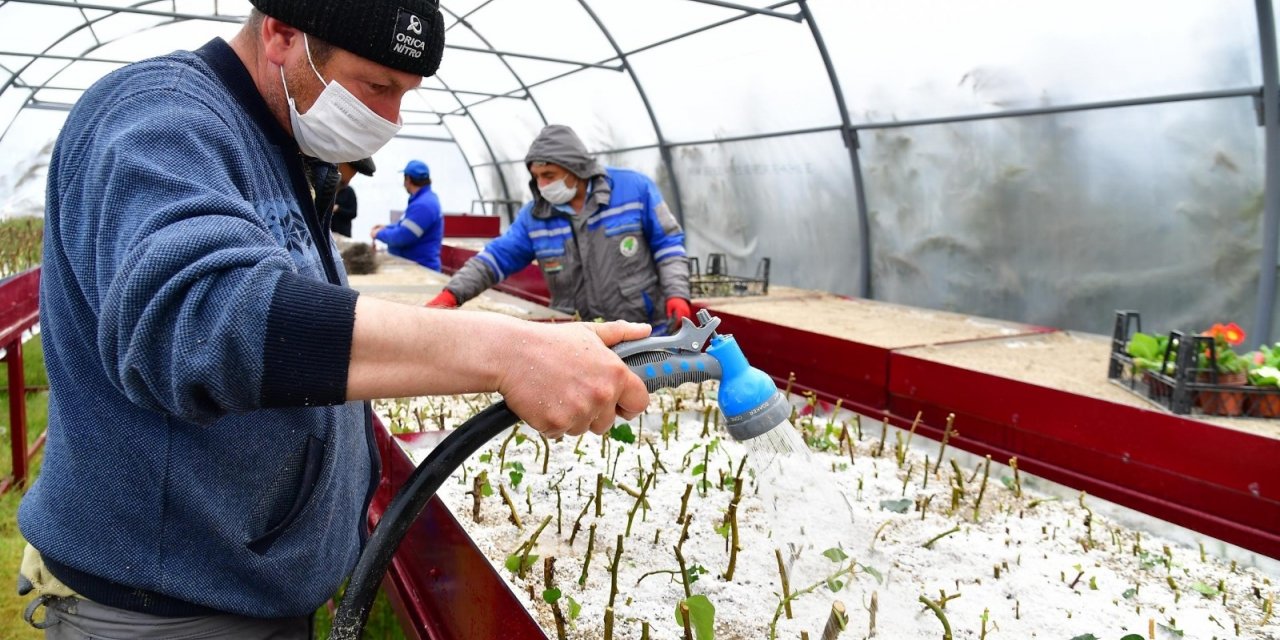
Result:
<point x="338" y="127"/>
<point x="557" y="193"/>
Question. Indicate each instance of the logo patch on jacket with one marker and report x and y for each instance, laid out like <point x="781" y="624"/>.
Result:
<point x="628" y="246"/>
<point x="551" y="265"/>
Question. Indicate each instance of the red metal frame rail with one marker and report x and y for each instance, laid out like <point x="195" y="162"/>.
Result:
<point x="19" y="311"/>
<point x="439" y="584"/>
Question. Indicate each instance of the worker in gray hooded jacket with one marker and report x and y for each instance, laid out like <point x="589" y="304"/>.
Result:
<point x="605" y="240"/>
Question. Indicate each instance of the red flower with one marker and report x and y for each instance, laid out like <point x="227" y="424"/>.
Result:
<point x="1230" y="333"/>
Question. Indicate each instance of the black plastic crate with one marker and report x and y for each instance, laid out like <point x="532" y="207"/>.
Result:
<point x="1187" y="388"/>
<point x="718" y="283"/>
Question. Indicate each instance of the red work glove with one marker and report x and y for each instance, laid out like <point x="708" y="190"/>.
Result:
<point x="678" y="308"/>
<point x="445" y="300"/>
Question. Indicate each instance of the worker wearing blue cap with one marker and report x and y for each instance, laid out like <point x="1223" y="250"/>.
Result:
<point x="420" y="231"/>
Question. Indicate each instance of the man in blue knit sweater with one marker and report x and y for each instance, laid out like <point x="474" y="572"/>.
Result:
<point x="209" y="459"/>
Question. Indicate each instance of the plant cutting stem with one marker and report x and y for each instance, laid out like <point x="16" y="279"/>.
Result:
<point x="877" y="533"/>
<point x="528" y="546"/>
<point x="732" y="516"/>
<point x="786" y="587"/>
<point x="942" y="617"/>
<point x="613" y="570"/>
<point x="1088" y="525"/>
<point x="836" y="622"/>
<point x="549" y="579"/>
<point x="586" y="562"/>
<point x="546" y="453"/>
<point x="684" y="573"/>
<point x="506" y="497"/>
<point x="684" y="503"/>
<point x="599" y="494"/>
<point x="502" y="451"/>
<point x="777" y="612"/>
<point x="872" y="610"/>
<point x="884" y="432"/>
<point x="477" y="493"/>
<point x="1017" y="477"/>
<point x="986" y="471"/>
<point x="644" y="489"/>
<point x="946" y="437"/>
<point x="902" y="454"/>
<point x="684" y="621"/>
<point x="577" y="524"/>
<point x="929" y="544"/>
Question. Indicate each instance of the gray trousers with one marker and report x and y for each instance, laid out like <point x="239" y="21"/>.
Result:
<point x="78" y="619"/>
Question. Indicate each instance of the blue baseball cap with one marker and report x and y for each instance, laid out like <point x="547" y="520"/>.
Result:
<point x="417" y="170"/>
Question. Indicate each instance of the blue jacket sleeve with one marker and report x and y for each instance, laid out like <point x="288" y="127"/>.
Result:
<point x="661" y="230"/>
<point x="513" y="250"/>
<point x="185" y="277"/>
<point x="503" y="256"/>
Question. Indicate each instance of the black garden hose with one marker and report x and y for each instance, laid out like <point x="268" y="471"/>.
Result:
<point x="403" y="511"/>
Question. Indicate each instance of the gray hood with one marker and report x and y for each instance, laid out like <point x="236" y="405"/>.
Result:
<point x="558" y="144"/>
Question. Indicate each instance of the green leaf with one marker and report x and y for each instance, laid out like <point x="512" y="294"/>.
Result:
<point x="622" y="433"/>
<point x="1133" y="636"/>
<point x="834" y="585"/>
<point x="486" y="456"/>
<point x="1087" y="636"/>
<point x="698" y="469"/>
<point x="1007" y="482"/>
<point x="873" y="572"/>
<point x="1177" y="632"/>
<point x="516" y="465"/>
<point x="897" y="506"/>
<point x="574" y="608"/>
<point x="835" y="554"/>
<point x="550" y="596"/>
<point x="695" y="572"/>
<point x="702" y="617"/>
<point x="1129" y="593"/>
<point x="1143" y="345"/>
<point x="1205" y="589"/>
<point x="520" y="438"/>
<point x="513" y="562"/>
<point x="516" y="477"/>
<point x="723" y="530"/>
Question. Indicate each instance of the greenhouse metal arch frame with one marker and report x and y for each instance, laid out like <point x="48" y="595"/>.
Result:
<point x="800" y="12"/>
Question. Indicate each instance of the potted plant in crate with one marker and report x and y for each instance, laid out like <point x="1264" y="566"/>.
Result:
<point x="1148" y="353"/>
<point x="1265" y="374"/>
<point x="1230" y="368"/>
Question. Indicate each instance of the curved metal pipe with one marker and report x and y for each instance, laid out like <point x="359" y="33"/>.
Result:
<point x="850" y="136"/>
<point x="1271" y="182"/>
<point x="664" y="149"/>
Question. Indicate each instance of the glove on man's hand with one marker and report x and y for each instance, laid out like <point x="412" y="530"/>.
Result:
<point x="678" y="309"/>
<point x="445" y="300"/>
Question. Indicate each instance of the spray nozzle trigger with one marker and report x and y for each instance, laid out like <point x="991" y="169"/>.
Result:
<point x="691" y="338"/>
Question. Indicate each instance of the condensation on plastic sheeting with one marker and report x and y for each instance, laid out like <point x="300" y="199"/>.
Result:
<point x="1060" y="220"/>
<point x="789" y="199"/>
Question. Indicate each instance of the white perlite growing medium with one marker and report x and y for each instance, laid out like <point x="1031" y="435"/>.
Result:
<point x="905" y="546"/>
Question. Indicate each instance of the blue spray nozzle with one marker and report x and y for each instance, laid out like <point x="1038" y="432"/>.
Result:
<point x="749" y="400"/>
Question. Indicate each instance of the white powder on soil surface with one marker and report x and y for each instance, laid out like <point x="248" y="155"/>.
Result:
<point x="1055" y="579"/>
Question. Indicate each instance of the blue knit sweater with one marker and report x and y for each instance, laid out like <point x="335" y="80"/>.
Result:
<point x="201" y="457"/>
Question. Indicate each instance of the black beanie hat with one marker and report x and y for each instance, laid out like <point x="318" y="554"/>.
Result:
<point x="402" y="34"/>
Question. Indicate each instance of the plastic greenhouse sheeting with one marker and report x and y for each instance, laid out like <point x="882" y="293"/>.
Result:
<point x="1039" y="162"/>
